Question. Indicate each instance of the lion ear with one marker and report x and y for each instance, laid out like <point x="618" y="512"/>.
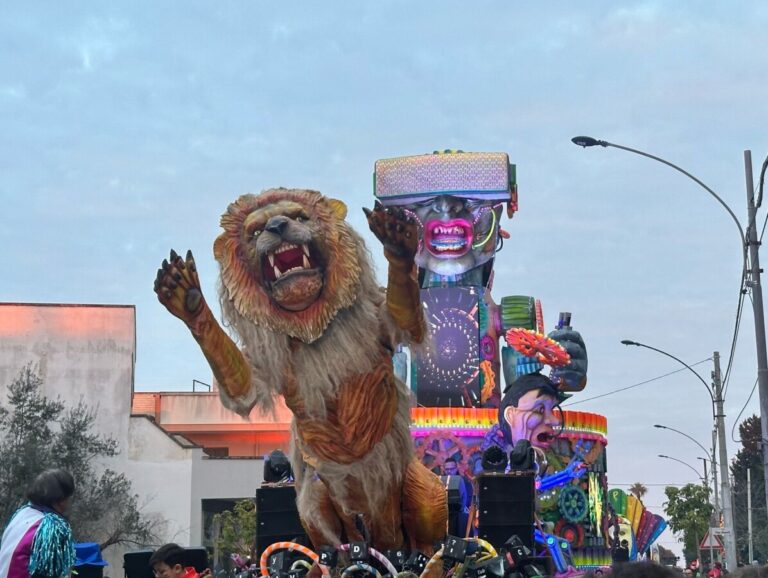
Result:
<point x="338" y="208"/>
<point x="219" y="247"/>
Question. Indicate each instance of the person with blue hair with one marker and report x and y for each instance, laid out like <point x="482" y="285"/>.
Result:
<point x="37" y="542"/>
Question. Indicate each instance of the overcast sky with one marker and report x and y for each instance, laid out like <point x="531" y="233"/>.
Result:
<point x="126" y="129"/>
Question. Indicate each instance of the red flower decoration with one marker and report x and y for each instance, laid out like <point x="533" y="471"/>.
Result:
<point x="543" y="348"/>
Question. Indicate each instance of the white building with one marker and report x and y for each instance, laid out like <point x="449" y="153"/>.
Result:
<point x="88" y="352"/>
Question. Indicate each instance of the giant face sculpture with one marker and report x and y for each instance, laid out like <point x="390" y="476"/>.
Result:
<point x="457" y="198"/>
<point x="535" y="418"/>
<point x="458" y="235"/>
<point x="530" y="411"/>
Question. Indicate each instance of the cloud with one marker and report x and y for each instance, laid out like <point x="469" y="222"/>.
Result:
<point x="98" y="40"/>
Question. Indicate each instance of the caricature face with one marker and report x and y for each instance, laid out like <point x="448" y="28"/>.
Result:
<point x="459" y="234"/>
<point x="535" y="418"/>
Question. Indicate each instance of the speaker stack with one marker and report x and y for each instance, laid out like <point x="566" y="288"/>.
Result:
<point x="455" y="507"/>
<point x="277" y="518"/>
<point x="505" y="504"/>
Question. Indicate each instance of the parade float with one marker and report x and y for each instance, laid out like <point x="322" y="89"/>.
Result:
<point x="458" y="200"/>
<point x="298" y="291"/>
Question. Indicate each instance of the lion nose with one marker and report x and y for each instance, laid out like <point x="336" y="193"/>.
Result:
<point x="277" y="224"/>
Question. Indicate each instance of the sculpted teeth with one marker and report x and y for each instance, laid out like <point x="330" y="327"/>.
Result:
<point x="306" y="253"/>
<point x="277" y="273"/>
<point x="271" y="259"/>
<point x="449" y="230"/>
<point x="306" y="262"/>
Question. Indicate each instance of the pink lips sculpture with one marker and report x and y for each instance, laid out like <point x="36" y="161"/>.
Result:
<point x="448" y="239"/>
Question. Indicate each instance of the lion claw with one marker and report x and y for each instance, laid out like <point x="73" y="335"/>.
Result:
<point x="178" y="287"/>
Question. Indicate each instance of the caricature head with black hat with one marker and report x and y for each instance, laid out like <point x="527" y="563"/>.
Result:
<point x="530" y="409"/>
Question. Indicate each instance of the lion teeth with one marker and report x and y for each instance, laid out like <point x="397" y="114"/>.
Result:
<point x="306" y="262"/>
<point x="277" y="273"/>
<point x="306" y="250"/>
<point x="271" y="259"/>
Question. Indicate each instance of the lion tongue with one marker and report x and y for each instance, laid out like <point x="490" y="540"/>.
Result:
<point x="277" y="264"/>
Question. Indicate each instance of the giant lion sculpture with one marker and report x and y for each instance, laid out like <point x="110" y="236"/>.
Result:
<point x="297" y="288"/>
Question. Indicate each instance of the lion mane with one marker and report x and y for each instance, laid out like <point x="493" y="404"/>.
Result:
<point x="334" y="242"/>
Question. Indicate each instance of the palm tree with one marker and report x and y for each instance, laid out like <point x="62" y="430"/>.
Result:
<point x="638" y="490"/>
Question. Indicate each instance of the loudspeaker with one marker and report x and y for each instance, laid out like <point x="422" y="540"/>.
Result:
<point x="136" y="563"/>
<point x="89" y="571"/>
<point x="197" y="557"/>
<point x="506" y="504"/>
<point x="277" y="518"/>
<point x="455" y="507"/>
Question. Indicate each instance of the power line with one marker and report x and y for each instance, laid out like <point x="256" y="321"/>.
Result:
<point x="637" y="384"/>
<point x="736" y="328"/>
<point x="736" y="421"/>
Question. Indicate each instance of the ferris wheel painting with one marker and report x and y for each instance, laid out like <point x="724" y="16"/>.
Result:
<point x="446" y="369"/>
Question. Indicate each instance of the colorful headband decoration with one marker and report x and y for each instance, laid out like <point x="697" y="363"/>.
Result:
<point x="537" y="345"/>
<point x="405" y="180"/>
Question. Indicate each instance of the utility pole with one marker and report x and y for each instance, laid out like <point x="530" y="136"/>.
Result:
<point x="713" y="516"/>
<point x="729" y="531"/>
<point x="749" y="514"/>
<point x="714" y="474"/>
<point x="757" y="308"/>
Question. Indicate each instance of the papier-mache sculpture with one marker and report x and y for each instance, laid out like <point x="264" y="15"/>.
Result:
<point x="298" y="290"/>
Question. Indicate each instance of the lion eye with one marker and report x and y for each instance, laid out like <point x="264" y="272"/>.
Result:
<point x="256" y="233"/>
<point x="302" y="219"/>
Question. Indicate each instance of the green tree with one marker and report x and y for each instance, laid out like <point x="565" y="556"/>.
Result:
<point x="37" y="433"/>
<point x="638" y="490"/>
<point x="749" y="457"/>
<point x="688" y="512"/>
<point x="235" y="530"/>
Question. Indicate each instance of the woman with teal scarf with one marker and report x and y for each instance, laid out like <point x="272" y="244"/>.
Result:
<point x="37" y="542"/>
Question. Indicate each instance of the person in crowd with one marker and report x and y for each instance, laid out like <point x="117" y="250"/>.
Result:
<point x="38" y="539"/>
<point x="168" y="561"/>
<point x="716" y="571"/>
<point x="620" y="553"/>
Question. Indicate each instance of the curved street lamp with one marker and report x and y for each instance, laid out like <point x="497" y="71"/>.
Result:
<point x="710" y="454"/>
<point x="749" y="242"/>
<point x="681" y="362"/>
<point x="588" y="141"/>
<point x="686" y="464"/>
<point x="694" y="440"/>
<point x="718" y="418"/>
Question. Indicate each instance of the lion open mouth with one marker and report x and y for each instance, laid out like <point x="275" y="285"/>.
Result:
<point x="286" y="260"/>
<point x="448" y="238"/>
<point x="292" y="277"/>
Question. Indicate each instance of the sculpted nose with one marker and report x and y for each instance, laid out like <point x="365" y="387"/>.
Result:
<point x="277" y="224"/>
<point x="448" y="204"/>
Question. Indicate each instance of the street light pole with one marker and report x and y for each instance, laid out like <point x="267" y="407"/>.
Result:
<point x="681" y="362"/>
<point x="751" y="246"/>
<point x="757" y="307"/>
<point x="716" y="395"/>
<point x="725" y="485"/>
<point x="709" y="453"/>
<point x="706" y="487"/>
<point x="686" y="464"/>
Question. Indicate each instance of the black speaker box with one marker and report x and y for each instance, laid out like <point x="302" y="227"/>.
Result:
<point x="136" y="563"/>
<point x="89" y="571"/>
<point x="453" y="493"/>
<point x="277" y="518"/>
<point x="506" y="504"/>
